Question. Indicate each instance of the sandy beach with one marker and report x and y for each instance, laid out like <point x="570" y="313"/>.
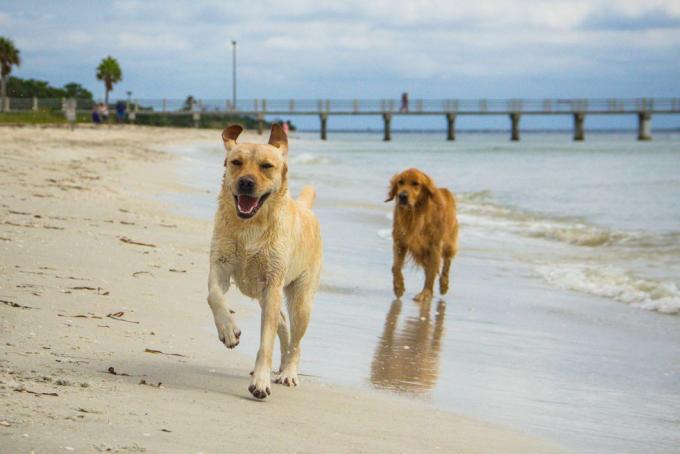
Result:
<point x="103" y="317"/>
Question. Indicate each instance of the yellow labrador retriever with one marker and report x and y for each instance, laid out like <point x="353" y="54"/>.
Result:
<point x="268" y="244"/>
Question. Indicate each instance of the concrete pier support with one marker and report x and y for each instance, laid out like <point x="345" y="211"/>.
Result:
<point x="514" y="118"/>
<point x="387" y="126"/>
<point x="260" y="124"/>
<point x="324" y="125"/>
<point x="579" y="131"/>
<point x="644" y="126"/>
<point x="450" y="126"/>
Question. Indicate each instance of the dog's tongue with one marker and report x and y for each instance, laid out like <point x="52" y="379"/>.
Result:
<point x="246" y="203"/>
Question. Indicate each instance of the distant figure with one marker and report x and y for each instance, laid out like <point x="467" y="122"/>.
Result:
<point x="96" y="117"/>
<point x="404" y="102"/>
<point x="285" y="125"/>
<point x="120" y="112"/>
<point x="104" y="112"/>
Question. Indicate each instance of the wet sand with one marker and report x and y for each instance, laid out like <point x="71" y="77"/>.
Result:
<point x="103" y="316"/>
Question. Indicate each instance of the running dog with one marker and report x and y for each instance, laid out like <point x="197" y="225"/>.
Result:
<point x="425" y="227"/>
<point x="268" y="244"/>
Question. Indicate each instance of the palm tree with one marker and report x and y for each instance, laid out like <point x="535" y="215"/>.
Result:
<point x="110" y="73"/>
<point x="9" y="56"/>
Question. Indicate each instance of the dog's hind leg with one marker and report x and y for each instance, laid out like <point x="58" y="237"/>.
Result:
<point x="218" y="284"/>
<point x="284" y="338"/>
<point x="444" y="276"/>
<point x="299" y="295"/>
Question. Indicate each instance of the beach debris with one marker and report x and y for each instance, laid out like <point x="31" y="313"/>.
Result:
<point x="2" y="238"/>
<point x="166" y="430"/>
<point x="5" y="423"/>
<point x="139" y="273"/>
<point x="169" y="226"/>
<point x="89" y="315"/>
<point x="158" y="352"/>
<point x="123" y="210"/>
<point x="144" y="382"/>
<point x="62" y="382"/>
<point x="94" y="412"/>
<point x="35" y="393"/>
<point x="99" y="290"/>
<point x="174" y="270"/>
<point x="127" y="223"/>
<point x="127" y="240"/>
<point x="16" y="305"/>
<point x="112" y="371"/>
<point x="20" y="212"/>
<point x="119" y="316"/>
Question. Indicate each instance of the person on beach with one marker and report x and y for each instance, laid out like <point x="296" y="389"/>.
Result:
<point x="404" y="102"/>
<point x="120" y="112"/>
<point x="104" y="112"/>
<point x="96" y="118"/>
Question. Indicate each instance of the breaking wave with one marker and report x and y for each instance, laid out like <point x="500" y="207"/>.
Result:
<point x="615" y="283"/>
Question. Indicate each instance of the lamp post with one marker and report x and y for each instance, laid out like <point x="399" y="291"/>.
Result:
<point x="233" y="76"/>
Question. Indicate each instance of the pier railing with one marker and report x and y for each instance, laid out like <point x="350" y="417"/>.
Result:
<point x="387" y="108"/>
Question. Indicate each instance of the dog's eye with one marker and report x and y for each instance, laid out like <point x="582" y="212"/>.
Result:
<point x="401" y="182"/>
<point x="266" y="165"/>
<point x="414" y="183"/>
<point x="236" y="162"/>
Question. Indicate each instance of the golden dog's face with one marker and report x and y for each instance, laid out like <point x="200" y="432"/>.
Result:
<point x="254" y="172"/>
<point x="410" y="188"/>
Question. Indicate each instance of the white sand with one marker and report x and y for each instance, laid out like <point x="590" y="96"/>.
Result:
<point x="68" y="199"/>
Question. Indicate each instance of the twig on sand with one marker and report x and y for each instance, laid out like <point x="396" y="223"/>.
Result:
<point x="24" y="390"/>
<point x="112" y="371"/>
<point x="17" y="305"/>
<point x="127" y="240"/>
<point x="118" y="316"/>
<point x="99" y="290"/>
<point x="158" y="352"/>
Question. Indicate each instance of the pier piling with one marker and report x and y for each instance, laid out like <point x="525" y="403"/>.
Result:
<point x="387" y="121"/>
<point x="579" y="120"/>
<point x="514" y="118"/>
<point x="324" y="125"/>
<point x="644" y="126"/>
<point x="450" y="126"/>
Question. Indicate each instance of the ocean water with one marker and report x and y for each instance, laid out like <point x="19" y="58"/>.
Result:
<point x="563" y="317"/>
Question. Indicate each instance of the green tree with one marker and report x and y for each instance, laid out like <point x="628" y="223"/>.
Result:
<point x="9" y="56"/>
<point x="77" y="91"/>
<point x="110" y="73"/>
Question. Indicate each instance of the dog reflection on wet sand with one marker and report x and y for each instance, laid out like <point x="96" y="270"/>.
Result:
<point x="407" y="359"/>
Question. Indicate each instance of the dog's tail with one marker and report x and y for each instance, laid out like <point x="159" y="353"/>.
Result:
<point x="307" y="196"/>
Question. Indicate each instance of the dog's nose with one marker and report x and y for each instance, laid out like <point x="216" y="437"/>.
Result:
<point x="403" y="197"/>
<point x="246" y="185"/>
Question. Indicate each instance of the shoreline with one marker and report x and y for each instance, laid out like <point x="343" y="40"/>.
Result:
<point x="84" y="237"/>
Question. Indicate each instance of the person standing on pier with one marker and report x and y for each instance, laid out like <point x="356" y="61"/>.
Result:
<point x="404" y="102"/>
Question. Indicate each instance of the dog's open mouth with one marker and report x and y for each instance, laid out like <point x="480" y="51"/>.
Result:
<point x="247" y="206"/>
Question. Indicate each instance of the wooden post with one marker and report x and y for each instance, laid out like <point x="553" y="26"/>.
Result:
<point x="514" y="118"/>
<point x="644" y="126"/>
<point x="196" y="115"/>
<point x="132" y="114"/>
<point x="579" y="120"/>
<point x="450" y="126"/>
<point x="323" y="116"/>
<point x="35" y="104"/>
<point x="387" y="121"/>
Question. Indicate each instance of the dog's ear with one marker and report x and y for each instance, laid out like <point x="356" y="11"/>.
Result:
<point x="429" y="188"/>
<point x="279" y="139"/>
<point x="229" y="136"/>
<point x="392" y="191"/>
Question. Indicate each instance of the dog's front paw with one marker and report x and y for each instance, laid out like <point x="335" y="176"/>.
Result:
<point x="398" y="287"/>
<point x="424" y="296"/>
<point x="260" y="384"/>
<point x="288" y="376"/>
<point x="228" y="332"/>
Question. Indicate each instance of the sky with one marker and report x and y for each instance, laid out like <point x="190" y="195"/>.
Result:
<point x="355" y="49"/>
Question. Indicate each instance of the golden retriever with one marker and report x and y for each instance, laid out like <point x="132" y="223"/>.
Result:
<point x="425" y="227"/>
<point x="269" y="244"/>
